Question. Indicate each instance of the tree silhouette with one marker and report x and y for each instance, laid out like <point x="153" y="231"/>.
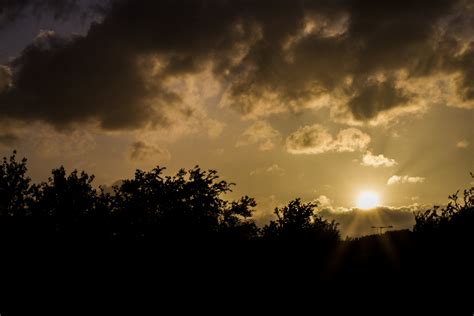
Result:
<point x="66" y="204"/>
<point x="14" y="187"/>
<point x="457" y="218"/>
<point x="178" y="218"/>
<point x="188" y="205"/>
<point x="299" y="221"/>
<point x="235" y="220"/>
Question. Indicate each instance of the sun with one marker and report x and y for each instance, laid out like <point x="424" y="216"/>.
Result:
<point x="367" y="199"/>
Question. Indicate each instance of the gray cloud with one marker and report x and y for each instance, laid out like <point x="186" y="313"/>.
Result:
<point x="142" y="151"/>
<point x="272" y="56"/>
<point x="356" y="222"/>
<point x="261" y="133"/>
<point x="8" y="139"/>
<point x="373" y="98"/>
<point x="5" y="78"/>
<point x="315" y="139"/>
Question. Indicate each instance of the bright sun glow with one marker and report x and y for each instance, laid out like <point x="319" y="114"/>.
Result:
<point x="367" y="199"/>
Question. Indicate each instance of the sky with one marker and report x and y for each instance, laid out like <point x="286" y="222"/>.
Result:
<point x="321" y="100"/>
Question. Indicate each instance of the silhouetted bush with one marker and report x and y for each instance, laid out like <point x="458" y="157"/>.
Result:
<point x="455" y="219"/>
<point x="14" y="187"/>
<point x="300" y="222"/>
<point x="188" y="205"/>
<point x="176" y="217"/>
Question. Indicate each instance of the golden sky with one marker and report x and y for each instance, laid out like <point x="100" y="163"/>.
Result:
<point x="314" y="99"/>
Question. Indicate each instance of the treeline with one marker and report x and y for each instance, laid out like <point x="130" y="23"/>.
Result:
<point x="187" y="207"/>
<point x="181" y="231"/>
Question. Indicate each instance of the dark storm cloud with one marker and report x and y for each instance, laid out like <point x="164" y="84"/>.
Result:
<point x="373" y="98"/>
<point x="291" y="50"/>
<point x="69" y="80"/>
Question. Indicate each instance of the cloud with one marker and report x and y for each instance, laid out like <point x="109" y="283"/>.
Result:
<point x="353" y="222"/>
<point x="260" y="133"/>
<point x="273" y="169"/>
<point x="310" y="139"/>
<point x="351" y="139"/>
<point x="5" y="78"/>
<point x="315" y="139"/>
<point x="323" y="201"/>
<point x="12" y="10"/>
<point x="404" y="179"/>
<point x="8" y="139"/>
<point x="61" y="83"/>
<point x="270" y="56"/>
<point x="356" y="222"/>
<point x="47" y="142"/>
<point x="371" y="160"/>
<point x="375" y="97"/>
<point x="462" y="144"/>
<point x="141" y="151"/>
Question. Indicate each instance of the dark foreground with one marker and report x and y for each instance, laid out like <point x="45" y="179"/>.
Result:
<point x="173" y="245"/>
<point x="398" y="270"/>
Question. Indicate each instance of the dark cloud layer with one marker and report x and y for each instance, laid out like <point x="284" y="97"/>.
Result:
<point x="292" y="50"/>
<point x="373" y="98"/>
<point x="356" y="222"/>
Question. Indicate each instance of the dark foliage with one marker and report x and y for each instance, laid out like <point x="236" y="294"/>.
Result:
<point x="180" y="231"/>
<point x="14" y="187"/>
<point x="300" y="222"/>
<point x="187" y="207"/>
<point x="455" y="219"/>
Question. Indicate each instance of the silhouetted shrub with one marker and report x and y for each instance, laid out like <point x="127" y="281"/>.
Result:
<point x="187" y="205"/>
<point x="14" y="187"/>
<point x="457" y="218"/>
<point x="299" y="221"/>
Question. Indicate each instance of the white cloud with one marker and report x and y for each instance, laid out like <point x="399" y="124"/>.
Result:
<point x="371" y="160"/>
<point x="273" y="169"/>
<point x="462" y="144"/>
<point x="323" y="201"/>
<point x="315" y="139"/>
<point x="351" y="139"/>
<point x="260" y="133"/>
<point x="404" y="179"/>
